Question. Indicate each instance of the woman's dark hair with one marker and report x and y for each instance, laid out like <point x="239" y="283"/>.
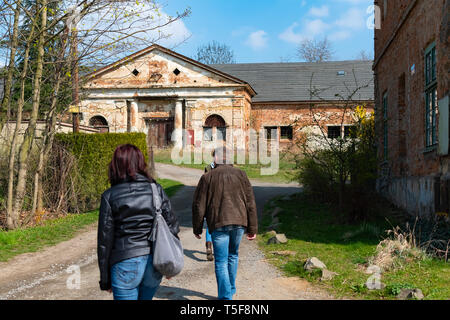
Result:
<point x="126" y="163"/>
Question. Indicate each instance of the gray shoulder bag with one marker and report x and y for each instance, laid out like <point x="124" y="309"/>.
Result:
<point x="168" y="257"/>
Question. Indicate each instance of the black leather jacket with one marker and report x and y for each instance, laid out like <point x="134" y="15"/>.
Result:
<point x="125" y="221"/>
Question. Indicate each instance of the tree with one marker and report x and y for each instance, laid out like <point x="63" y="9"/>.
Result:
<point x="315" y="50"/>
<point x="343" y="168"/>
<point x="363" y="55"/>
<point x="41" y="65"/>
<point x="215" y="53"/>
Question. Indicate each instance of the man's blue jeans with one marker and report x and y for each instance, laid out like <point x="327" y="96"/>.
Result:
<point x="226" y="242"/>
<point x="135" y="279"/>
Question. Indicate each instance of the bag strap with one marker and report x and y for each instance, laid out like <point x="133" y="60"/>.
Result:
<point x="157" y="203"/>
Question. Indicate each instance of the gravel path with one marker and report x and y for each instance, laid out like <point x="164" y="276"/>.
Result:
<point x="48" y="274"/>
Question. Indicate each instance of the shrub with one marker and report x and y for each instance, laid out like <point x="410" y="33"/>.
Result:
<point x="342" y="171"/>
<point x="89" y="174"/>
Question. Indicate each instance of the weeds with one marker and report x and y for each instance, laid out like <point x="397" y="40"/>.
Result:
<point x="400" y="248"/>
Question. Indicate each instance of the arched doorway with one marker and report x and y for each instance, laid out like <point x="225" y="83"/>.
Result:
<point x="100" y="123"/>
<point x="214" y="126"/>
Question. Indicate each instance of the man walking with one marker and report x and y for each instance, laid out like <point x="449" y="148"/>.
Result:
<point x="225" y="197"/>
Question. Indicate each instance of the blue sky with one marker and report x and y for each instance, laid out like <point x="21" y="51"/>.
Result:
<point x="270" y="30"/>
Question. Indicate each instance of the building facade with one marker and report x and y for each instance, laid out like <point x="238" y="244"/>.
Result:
<point x="163" y="93"/>
<point x="411" y="101"/>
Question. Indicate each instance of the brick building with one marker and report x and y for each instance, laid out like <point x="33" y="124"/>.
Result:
<point x="157" y="90"/>
<point x="411" y="101"/>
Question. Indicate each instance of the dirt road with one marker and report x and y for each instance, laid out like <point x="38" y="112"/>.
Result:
<point x="53" y="272"/>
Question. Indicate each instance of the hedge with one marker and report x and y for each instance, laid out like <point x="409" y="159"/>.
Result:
<point x="93" y="153"/>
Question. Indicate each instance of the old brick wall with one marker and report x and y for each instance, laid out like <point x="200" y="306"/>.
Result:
<point x="303" y="117"/>
<point x="407" y="177"/>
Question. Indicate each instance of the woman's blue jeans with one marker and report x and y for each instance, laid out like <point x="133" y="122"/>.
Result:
<point x="135" y="279"/>
<point x="226" y="242"/>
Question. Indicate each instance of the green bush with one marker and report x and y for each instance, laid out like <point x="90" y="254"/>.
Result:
<point x="92" y="154"/>
<point x="317" y="182"/>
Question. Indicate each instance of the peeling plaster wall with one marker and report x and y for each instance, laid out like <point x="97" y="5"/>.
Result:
<point x="156" y="91"/>
<point x="114" y="111"/>
<point x="156" y="70"/>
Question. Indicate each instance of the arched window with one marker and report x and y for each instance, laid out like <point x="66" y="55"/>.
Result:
<point x="214" y="124"/>
<point x="100" y="123"/>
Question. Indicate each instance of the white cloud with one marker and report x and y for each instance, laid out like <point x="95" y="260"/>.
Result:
<point x="310" y="30"/>
<point x="289" y="35"/>
<point x="353" y="18"/>
<point x="320" y="12"/>
<point x="326" y="23"/>
<point x="315" y="27"/>
<point x="340" y="35"/>
<point x="257" y="40"/>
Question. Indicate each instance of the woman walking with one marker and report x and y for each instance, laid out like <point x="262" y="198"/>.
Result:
<point x="125" y="221"/>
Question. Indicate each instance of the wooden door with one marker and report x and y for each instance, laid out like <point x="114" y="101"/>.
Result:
<point x="160" y="132"/>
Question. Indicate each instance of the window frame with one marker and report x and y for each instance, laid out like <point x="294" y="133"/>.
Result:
<point x="290" y="134"/>
<point x="430" y="96"/>
<point x="224" y="133"/>
<point x="334" y="127"/>
<point x="268" y="133"/>
<point x="210" y="129"/>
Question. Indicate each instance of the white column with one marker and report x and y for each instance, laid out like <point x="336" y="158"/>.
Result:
<point x="177" y="136"/>
<point x="134" y="115"/>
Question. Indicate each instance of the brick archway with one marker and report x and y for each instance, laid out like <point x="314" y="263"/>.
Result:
<point x="99" y="123"/>
<point x="215" y="121"/>
<point x="214" y="125"/>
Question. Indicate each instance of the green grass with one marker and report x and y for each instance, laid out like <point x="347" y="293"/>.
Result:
<point x="170" y="186"/>
<point x="53" y="231"/>
<point x="284" y="174"/>
<point x="312" y="231"/>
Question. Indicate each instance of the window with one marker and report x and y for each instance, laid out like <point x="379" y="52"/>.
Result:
<point x="349" y="132"/>
<point x="270" y="133"/>
<point x="430" y="96"/>
<point x="135" y="72"/>
<point x="334" y="132"/>
<point x="286" y="132"/>
<point x="207" y="134"/>
<point x="385" y="126"/>
<point x="222" y="133"/>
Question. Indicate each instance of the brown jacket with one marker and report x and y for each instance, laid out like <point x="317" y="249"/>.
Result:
<point x="225" y="197"/>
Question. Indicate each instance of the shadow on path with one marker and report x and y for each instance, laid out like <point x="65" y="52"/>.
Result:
<point x="174" y="293"/>
<point x="193" y="255"/>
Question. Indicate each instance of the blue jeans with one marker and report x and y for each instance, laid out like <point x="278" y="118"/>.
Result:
<point x="135" y="279"/>
<point x="226" y="242"/>
<point x="208" y="235"/>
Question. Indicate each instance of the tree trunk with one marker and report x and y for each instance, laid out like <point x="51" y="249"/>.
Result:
<point x="27" y="143"/>
<point x="6" y="103"/>
<point x="49" y="132"/>
<point x="11" y="219"/>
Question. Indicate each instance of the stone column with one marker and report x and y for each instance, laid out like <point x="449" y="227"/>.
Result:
<point x="177" y="136"/>
<point x="133" y="116"/>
